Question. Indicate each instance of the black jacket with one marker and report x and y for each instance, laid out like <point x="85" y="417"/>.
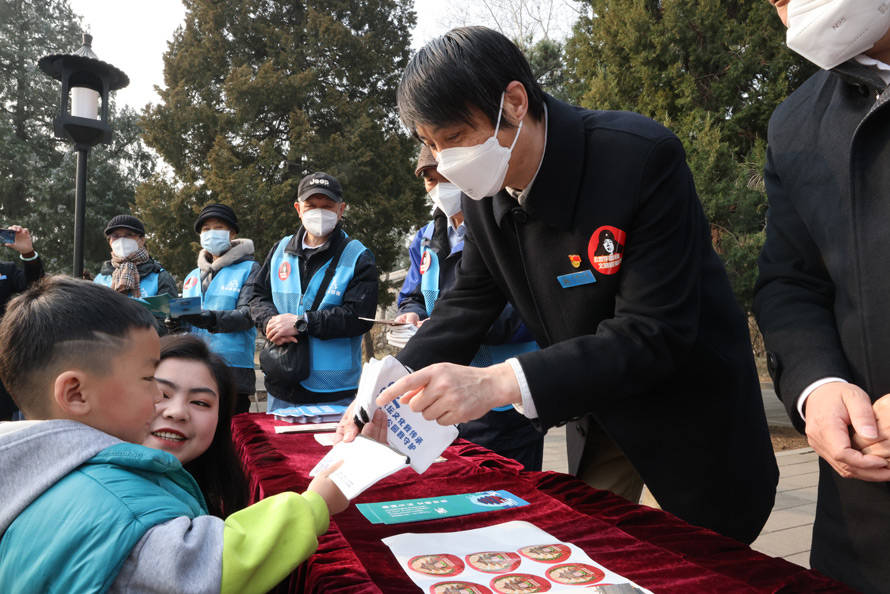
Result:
<point x="821" y="297"/>
<point x="359" y="300"/>
<point x="658" y="353"/>
<point x="12" y="281"/>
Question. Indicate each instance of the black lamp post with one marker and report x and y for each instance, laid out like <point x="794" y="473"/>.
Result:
<point x="86" y="79"/>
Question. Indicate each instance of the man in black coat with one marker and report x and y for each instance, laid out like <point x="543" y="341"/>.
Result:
<point x="14" y="280"/>
<point x="821" y="297"/>
<point x="643" y="344"/>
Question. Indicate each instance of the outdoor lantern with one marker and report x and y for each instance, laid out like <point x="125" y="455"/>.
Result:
<point x="86" y="82"/>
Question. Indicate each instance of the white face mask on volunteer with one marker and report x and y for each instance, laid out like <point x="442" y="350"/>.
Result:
<point x="830" y="32"/>
<point x="479" y="170"/>
<point x="319" y="221"/>
<point x="216" y="241"/>
<point x="446" y="197"/>
<point x="124" y="246"/>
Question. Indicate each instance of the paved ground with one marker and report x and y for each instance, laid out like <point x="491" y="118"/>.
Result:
<point x="788" y="530"/>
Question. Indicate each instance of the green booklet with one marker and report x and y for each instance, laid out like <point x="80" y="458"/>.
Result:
<point x="431" y="508"/>
<point x="164" y="305"/>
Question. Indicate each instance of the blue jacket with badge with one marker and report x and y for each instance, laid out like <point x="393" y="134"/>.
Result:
<point x="334" y="330"/>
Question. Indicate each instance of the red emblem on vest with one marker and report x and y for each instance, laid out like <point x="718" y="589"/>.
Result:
<point x="284" y="270"/>
<point x="425" y="261"/>
<point x="190" y="282"/>
<point x="606" y="248"/>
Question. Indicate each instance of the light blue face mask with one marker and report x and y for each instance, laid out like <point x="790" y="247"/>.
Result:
<point x="215" y="241"/>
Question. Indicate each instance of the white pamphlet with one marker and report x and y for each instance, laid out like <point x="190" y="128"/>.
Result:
<point x="365" y="462"/>
<point x="408" y="433"/>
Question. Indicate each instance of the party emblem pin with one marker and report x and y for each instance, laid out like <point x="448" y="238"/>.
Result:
<point x="284" y="271"/>
<point x="575" y="259"/>
<point x="425" y="262"/>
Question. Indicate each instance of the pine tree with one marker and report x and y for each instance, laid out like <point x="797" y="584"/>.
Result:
<point x="260" y="93"/>
<point x="36" y="169"/>
<point x="710" y="70"/>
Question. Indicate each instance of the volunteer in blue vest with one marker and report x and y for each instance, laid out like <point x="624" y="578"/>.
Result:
<point x="131" y="270"/>
<point x="284" y="290"/>
<point x="225" y="262"/>
<point x="435" y="255"/>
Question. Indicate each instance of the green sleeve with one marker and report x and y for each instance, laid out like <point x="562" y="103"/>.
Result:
<point x="263" y="543"/>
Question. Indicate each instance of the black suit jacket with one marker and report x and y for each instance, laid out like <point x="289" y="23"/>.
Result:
<point x="658" y="352"/>
<point x="822" y="294"/>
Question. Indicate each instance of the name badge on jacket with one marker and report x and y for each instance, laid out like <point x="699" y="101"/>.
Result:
<point x="576" y="279"/>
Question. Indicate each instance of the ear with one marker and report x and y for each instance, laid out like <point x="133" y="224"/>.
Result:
<point x="297" y="206"/>
<point x="515" y="102"/>
<point x="68" y="394"/>
<point x="342" y="209"/>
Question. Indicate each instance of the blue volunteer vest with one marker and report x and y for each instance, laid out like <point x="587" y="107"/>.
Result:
<point x="76" y="536"/>
<point x="237" y="348"/>
<point x="488" y="354"/>
<point x="336" y="363"/>
<point x="148" y="285"/>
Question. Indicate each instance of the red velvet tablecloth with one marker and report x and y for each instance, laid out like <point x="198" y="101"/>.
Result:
<point x="650" y="547"/>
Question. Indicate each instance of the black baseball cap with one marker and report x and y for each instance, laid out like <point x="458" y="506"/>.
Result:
<point x="217" y="211"/>
<point x="320" y="183"/>
<point x="425" y="160"/>
<point x="125" y="222"/>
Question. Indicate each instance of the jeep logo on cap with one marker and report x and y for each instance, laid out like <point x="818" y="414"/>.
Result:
<point x="319" y="182"/>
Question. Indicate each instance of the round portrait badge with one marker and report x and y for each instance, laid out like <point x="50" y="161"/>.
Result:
<point x="425" y="262"/>
<point x="284" y="270"/>
<point x="458" y="588"/>
<point x="575" y="573"/>
<point x="443" y="564"/>
<point x="605" y="249"/>
<point x="546" y="553"/>
<point x="190" y="282"/>
<point x="515" y="583"/>
<point x="494" y="561"/>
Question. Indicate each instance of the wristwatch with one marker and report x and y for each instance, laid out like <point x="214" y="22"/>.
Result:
<point x="301" y="325"/>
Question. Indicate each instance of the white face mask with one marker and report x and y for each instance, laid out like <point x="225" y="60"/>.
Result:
<point x="446" y="197"/>
<point x="479" y="170"/>
<point x="216" y="241"/>
<point x="124" y="246"/>
<point x="319" y="221"/>
<point x="830" y="32"/>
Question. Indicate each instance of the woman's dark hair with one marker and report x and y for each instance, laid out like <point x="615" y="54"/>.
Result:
<point x="465" y="68"/>
<point x="218" y="470"/>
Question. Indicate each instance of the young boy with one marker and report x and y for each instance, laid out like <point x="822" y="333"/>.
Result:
<point x="85" y="509"/>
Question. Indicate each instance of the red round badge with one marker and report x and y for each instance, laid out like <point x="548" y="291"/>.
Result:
<point x="514" y="583"/>
<point x="190" y="282"/>
<point x="425" y="261"/>
<point x="284" y="270"/>
<point x="443" y="564"/>
<point x="575" y="573"/>
<point x="546" y="553"/>
<point x="494" y="561"/>
<point x="458" y="588"/>
<point x="605" y="249"/>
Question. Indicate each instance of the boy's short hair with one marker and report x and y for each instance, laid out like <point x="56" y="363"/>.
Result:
<point x="62" y="321"/>
<point x="467" y="67"/>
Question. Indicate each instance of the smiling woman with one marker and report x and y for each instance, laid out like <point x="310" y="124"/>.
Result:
<point x="193" y="420"/>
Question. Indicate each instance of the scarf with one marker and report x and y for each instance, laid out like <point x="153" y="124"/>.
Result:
<point x="125" y="278"/>
<point x="208" y="265"/>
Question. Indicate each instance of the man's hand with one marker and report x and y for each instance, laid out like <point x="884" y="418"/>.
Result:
<point x="206" y="319"/>
<point x="22" y="243"/>
<point x="408" y="318"/>
<point x="347" y="430"/>
<point x="280" y="329"/>
<point x="324" y="486"/>
<point x="881" y="445"/>
<point x="830" y="411"/>
<point x="452" y="394"/>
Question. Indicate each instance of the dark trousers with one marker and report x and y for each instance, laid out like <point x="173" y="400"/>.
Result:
<point x="509" y="434"/>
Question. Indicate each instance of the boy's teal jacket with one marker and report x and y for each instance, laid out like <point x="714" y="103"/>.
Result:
<point x="78" y="503"/>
